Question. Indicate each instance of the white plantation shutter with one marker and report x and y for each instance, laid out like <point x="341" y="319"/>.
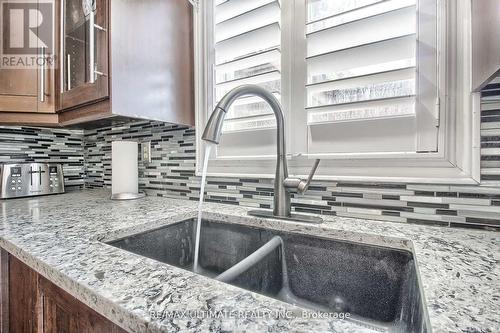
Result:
<point x="357" y="78"/>
<point x="363" y="77"/>
<point x="246" y="39"/>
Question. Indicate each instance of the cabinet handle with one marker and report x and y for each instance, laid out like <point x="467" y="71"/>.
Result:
<point x="68" y="76"/>
<point x="42" y="77"/>
<point x="62" y="28"/>
<point x="98" y="27"/>
<point x="92" y="46"/>
<point x="100" y="73"/>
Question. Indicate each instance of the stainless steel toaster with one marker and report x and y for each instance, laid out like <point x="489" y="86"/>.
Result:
<point x="30" y="179"/>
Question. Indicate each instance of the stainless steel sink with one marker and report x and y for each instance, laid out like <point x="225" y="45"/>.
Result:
<point x="377" y="286"/>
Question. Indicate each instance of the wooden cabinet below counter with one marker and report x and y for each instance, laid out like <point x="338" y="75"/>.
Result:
<point x="32" y="304"/>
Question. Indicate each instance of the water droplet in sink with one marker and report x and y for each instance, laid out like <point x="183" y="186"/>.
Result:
<point x="338" y="304"/>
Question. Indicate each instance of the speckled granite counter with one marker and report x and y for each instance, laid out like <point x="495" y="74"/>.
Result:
<point x="60" y="237"/>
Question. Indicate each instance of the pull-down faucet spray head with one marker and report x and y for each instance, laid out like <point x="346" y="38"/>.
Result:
<point x="213" y="130"/>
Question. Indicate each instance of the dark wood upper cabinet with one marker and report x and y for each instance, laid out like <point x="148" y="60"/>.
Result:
<point x="115" y="59"/>
<point x="84" y="46"/>
<point x="23" y="88"/>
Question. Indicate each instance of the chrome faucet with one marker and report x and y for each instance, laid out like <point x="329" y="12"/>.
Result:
<point x="282" y="183"/>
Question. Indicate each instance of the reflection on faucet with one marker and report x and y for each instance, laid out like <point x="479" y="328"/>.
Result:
<point x="282" y="183"/>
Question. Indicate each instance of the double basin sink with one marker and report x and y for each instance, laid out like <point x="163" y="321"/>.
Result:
<point x="377" y="286"/>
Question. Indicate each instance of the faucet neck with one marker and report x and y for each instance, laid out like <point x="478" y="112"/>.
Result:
<point x="254" y="90"/>
<point x="282" y="206"/>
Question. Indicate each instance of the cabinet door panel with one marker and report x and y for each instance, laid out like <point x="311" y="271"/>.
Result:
<point x="59" y="315"/>
<point x="85" y="53"/>
<point x="17" y="83"/>
<point x="57" y="319"/>
<point x="31" y="89"/>
<point x="12" y="103"/>
<point x="23" y="300"/>
<point x="21" y="82"/>
<point x="18" y="90"/>
<point x="64" y="314"/>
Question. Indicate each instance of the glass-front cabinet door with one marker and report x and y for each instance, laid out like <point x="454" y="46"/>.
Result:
<point x="84" y="61"/>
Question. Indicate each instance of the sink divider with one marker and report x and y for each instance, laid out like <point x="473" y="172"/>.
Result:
<point x="232" y="273"/>
<point x="285" y="293"/>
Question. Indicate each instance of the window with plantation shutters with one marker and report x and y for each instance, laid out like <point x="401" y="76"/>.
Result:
<point x="359" y="82"/>
<point x="247" y="40"/>
<point x="363" y="79"/>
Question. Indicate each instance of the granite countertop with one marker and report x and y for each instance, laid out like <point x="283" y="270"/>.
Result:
<point x="61" y="238"/>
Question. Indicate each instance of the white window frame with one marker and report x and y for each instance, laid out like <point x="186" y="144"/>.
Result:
<point x="457" y="159"/>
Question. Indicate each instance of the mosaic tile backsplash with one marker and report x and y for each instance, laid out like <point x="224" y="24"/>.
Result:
<point x="172" y="174"/>
<point x="26" y="144"/>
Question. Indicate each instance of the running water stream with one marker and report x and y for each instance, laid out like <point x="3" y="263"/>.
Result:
<point x="208" y="147"/>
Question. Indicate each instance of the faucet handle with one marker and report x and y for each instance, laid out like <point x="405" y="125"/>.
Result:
<point x="302" y="184"/>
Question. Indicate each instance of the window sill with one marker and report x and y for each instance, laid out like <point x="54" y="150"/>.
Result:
<point x="372" y="175"/>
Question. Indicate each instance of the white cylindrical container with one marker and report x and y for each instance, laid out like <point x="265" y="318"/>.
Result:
<point x="124" y="170"/>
